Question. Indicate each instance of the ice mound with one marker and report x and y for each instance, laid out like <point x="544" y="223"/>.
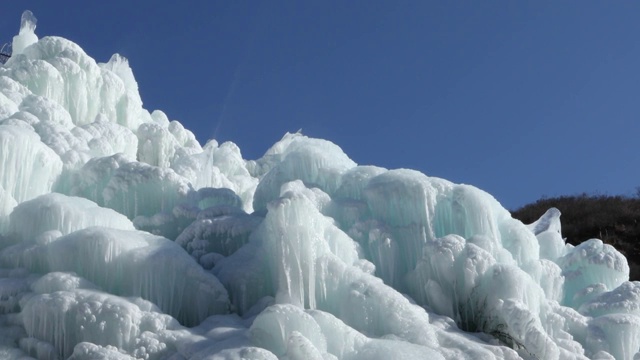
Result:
<point x="121" y="237"/>
<point x="217" y="235"/>
<point x="592" y="263"/>
<point x="94" y="317"/>
<point x="128" y="263"/>
<point x="317" y="163"/>
<point x="623" y="299"/>
<point x="64" y="214"/>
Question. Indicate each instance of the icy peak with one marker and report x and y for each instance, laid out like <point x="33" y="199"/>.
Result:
<point x="27" y="35"/>
<point x="28" y="22"/>
<point x="120" y="65"/>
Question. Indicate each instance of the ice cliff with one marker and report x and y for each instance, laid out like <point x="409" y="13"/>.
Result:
<point x="121" y="237"/>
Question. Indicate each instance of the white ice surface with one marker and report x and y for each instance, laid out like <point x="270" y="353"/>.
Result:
<point x="121" y="237"/>
<point x="7" y="203"/>
<point x="27" y="34"/>
<point x="62" y="213"/>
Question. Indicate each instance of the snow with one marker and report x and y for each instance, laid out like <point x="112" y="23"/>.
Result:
<point x="121" y="237"/>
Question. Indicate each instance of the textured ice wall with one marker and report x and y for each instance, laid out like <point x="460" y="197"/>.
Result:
<point x="36" y="165"/>
<point x="338" y="261"/>
<point x="127" y="263"/>
<point x="7" y="203"/>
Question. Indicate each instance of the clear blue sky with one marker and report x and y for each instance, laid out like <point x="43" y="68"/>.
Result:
<point x="519" y="98"/>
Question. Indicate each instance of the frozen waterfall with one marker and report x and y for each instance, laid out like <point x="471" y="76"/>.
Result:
<point x="121" y="237"/>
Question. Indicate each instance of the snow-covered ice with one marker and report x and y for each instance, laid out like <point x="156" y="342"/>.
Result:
<point x="121" y="237"/>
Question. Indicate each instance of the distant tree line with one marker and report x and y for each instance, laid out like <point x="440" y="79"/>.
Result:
<point x="613" y="219"/>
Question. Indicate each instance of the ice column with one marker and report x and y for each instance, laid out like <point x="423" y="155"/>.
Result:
<point x="27" y="34"/>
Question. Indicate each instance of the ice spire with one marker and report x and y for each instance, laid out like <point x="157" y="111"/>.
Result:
<point x="27" y="34"/>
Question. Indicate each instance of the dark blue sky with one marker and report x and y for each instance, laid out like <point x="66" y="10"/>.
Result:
<point x="520" y="98"/>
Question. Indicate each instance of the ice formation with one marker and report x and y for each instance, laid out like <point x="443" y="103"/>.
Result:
<point x="121" y="237"/>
